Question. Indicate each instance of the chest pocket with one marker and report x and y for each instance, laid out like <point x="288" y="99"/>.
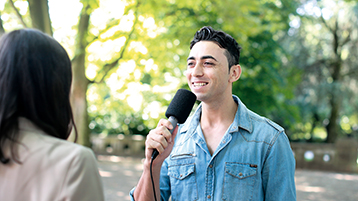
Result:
<point x="182" y="179"/>
<point x="239" y="171"/>
<point x="181" y="171"/>
<point x="239" y="181"/>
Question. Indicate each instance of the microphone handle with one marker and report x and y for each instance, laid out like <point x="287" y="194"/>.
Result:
<point x="174" y="122"/>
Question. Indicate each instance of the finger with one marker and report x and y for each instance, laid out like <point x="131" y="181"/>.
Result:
<point x="158" y="146"/>
<point x="151" y="145"/>
<point x="166" y="123"/>
<point x="156" y="139"/>
<point x="166" y="133"/>
<point x="163" y="131"/>
<point x="159" y="140"/>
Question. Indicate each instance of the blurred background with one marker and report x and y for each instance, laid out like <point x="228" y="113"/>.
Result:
<point x="299" y="66"/>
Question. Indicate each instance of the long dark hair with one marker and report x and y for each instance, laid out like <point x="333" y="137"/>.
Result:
<point x="35" y="83"/>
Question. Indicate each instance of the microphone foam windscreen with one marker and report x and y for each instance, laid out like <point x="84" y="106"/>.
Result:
<point x="181" y="105"/>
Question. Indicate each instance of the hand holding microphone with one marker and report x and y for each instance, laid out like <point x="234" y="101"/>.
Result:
<point x="178" y="110"/>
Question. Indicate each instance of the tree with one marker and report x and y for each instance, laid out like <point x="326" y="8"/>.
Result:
<point x="267" y="84"/>
<point x="169" y="48"/>
<point x="79" y="80"/>
<point x="127" y="68"/>
<point x="40" y="16"/>
<point x="325" y="49"/>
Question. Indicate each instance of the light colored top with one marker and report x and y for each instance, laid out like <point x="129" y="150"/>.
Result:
<point x="52" y="170"/>
<point x="253" y="161"/>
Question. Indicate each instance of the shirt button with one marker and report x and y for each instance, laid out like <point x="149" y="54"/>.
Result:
<point x="240" y="174"/>
<point x="181" y="175"/>
<point x="210" y="166"/>
<point x="224" y="141"/>
<point x="209" y="196"/>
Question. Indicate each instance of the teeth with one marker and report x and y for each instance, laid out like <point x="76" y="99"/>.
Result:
<point x="199" y="84"/>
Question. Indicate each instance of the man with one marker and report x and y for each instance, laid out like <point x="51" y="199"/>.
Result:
<point x="224" y="151"/>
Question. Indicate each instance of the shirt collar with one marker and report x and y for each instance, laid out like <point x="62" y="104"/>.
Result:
<point x="242" y="119"/>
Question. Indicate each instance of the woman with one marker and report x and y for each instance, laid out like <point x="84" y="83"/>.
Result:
<point x="37" y="163"/>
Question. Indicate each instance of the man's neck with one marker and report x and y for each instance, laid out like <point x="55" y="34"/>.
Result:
<point x="217" y="113"/>
<point x="215" y="120"/>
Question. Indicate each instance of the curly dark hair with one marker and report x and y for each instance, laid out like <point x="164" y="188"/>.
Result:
<point x="223" y="39"/>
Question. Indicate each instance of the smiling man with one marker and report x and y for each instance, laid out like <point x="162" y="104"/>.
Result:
<point x="224" y="151"/>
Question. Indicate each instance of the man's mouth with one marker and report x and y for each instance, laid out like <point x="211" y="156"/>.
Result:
<point x="199" y="84"/>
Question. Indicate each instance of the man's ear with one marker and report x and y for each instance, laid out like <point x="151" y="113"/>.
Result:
<point x="235" y="73"/>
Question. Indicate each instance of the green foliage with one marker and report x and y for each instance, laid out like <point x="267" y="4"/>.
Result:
<point x="109" y="115"/>
<point x="323" y="46"/>
<point x="136" y="53"/>
<point x="93" y="4"/>
<point x="264" y="86"/>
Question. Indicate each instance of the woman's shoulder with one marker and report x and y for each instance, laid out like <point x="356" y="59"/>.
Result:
<point x="35" y="142"/>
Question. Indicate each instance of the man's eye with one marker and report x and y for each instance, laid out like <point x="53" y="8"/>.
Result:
<point x="208" y="64"/>
<point x="190" y="64"/>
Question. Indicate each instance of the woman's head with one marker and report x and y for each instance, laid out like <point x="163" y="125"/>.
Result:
<point x="35" y="83"/>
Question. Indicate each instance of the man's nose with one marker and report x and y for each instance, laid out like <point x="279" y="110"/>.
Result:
<point x="197" y="70"/>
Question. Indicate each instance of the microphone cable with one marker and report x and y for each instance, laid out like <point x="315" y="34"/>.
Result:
<point x="151" y="177"/>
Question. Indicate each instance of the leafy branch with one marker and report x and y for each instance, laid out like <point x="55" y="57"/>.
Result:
<point x="109" y="66"/>
<point x="19" y="16"/>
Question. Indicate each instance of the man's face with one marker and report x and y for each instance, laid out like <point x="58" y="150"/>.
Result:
<point x="208" y="72"/>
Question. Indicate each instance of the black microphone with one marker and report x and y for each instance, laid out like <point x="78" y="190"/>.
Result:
<point x="178" y="110"/>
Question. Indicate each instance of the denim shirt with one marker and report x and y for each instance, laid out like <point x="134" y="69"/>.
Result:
<point x="254" y="161"/>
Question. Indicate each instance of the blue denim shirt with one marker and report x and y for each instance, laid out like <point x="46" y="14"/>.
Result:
<point x="253" y="161"/>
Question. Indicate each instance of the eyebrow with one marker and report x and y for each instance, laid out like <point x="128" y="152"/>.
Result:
<point x="203" y="57"/>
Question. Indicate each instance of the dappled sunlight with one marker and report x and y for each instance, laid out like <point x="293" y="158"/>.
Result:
<point x="346" y="177"/>
<point x="135" y="101"/>
<point x="105" y="173"/>
<point x="111" y="158"/>
<point x="327" y="186"/>
<point x="138" y="47"/>
<point x="311" y="189"/>
<point x="124" y="195"/>
<point x="104" y="51"/>
<point x="149" y="65"/>
<point x="119" y="175"/>
<point x="128" y="173"/>
<point x="111" y="9"/>
<point x="152" y="110"/>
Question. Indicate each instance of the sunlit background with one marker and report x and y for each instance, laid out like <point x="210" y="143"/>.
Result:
<point x="299" y="61"/>
<point x="299" y="64"/>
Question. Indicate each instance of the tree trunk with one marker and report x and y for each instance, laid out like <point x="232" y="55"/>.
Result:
<point x="40" y="15"/>
<point x="335" y="103"/>
<point x="333" y="126"/>
<point x="79" y="80"/>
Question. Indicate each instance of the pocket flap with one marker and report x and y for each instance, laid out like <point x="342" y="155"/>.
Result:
<point x="181" y="171"/>
<point x="240" y="170"/>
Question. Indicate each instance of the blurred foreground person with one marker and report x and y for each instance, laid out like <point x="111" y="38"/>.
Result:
<point x="37" y="163"/>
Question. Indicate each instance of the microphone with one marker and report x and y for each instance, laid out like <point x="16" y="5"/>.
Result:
<point x="178" y="110"/>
